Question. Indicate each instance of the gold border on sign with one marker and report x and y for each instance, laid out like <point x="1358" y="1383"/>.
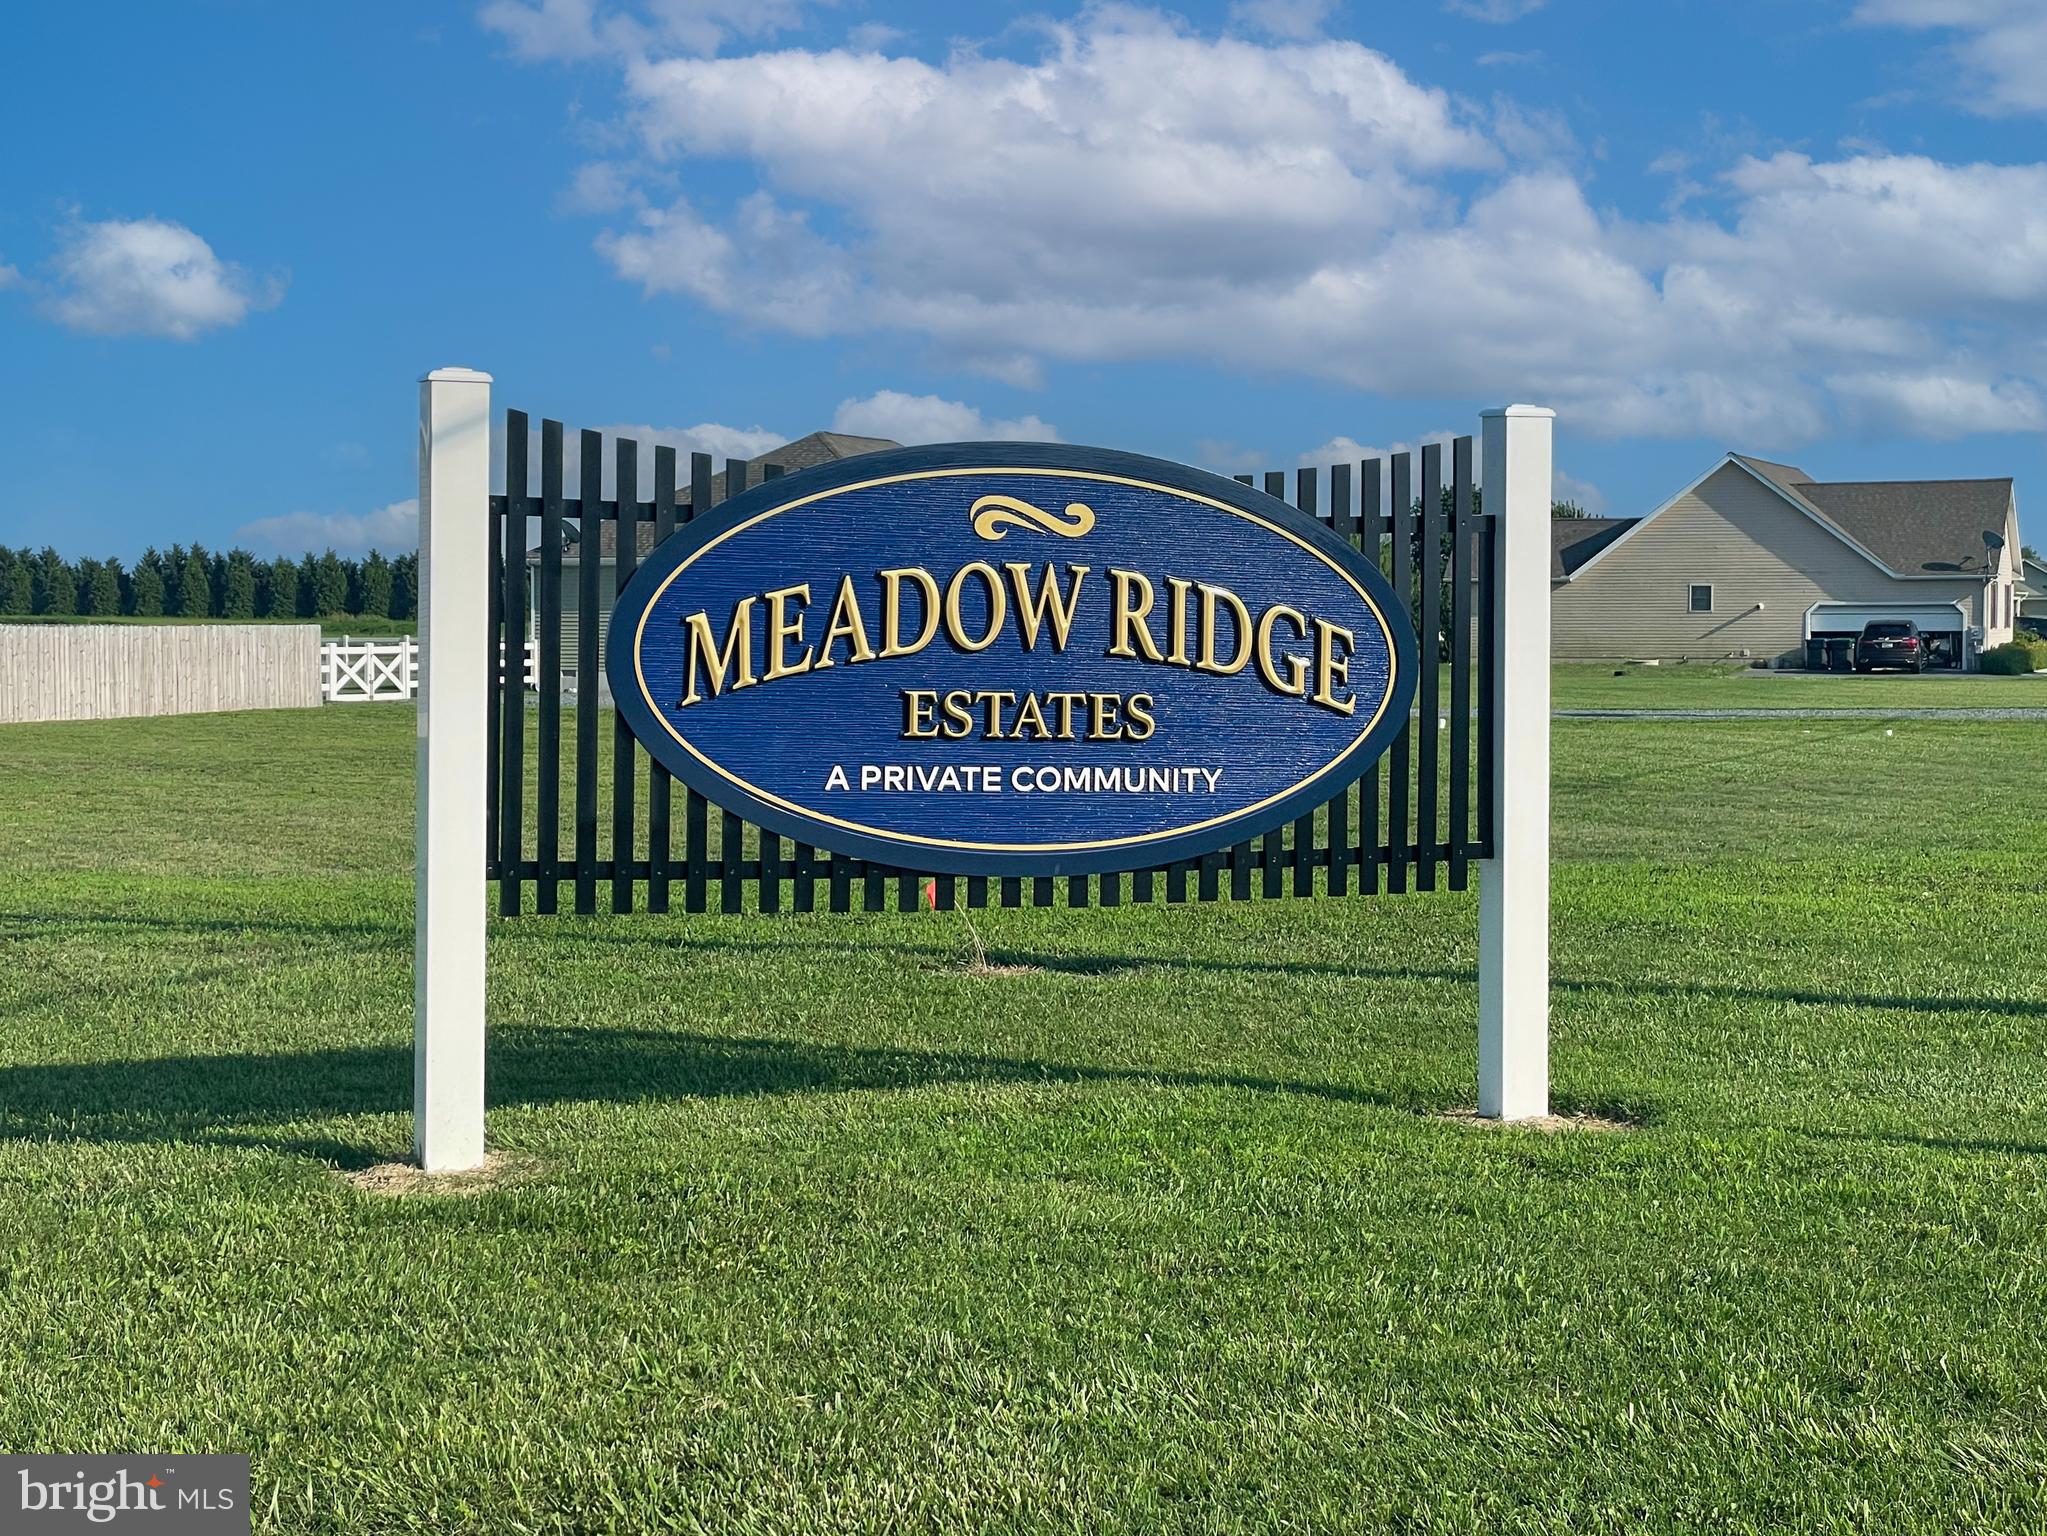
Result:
<point x="1371" y="607"/>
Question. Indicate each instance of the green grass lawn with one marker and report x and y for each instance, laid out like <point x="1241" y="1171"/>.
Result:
<point x="813" y="1229"/>
<point x="1699" y="685"/>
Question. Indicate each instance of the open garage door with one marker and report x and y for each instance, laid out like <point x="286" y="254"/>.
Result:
<point x="1824" y="619"/>
<point x="1831" y="630"/>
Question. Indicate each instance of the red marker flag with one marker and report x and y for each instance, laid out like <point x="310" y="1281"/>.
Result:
<point x="931" y="893"/>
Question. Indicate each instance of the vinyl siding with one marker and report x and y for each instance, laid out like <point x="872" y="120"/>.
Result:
<point x="1751" y="546"/>
<point x="572" y="614"/>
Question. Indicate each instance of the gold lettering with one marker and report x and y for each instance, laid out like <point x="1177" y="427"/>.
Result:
<point x="1207" y="662"/>
<point x="1066" y="701"/>
<point x="993" y="700"/>
<point x="781" y="631"/>
<point x="959" y="714"/>
<point x="1033" y="611"/>
<point x="1296" y="680"/>
<point x="846" y="624"/>
<point x="1179" y="587"/>
<point x="1030" y="715"/>
<point x="1131" y="614"/>
<point x="1331" y="668"/>
<point x="918" y="704"/>
<point x="892" y="610"/>
<point x="1102" y="724"/>
<point x="738" y="648"/>
<point x="1138" y="722"/>
<point x="955" y="623"/>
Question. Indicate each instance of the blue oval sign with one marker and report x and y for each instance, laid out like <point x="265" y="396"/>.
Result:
<point x="1011" y="659"/>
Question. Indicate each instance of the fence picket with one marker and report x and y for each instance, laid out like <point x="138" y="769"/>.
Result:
<point x="1337" y="834"/>
<point x="512" y="703"/>
<point x="1372" y="543"/>
<point x="548" y="622"/>
<point x="772" y="868"/>
<point x="1398" y="771"/>
<point x="589" y="557"/>
<point x="695" y="809"/>
<point x="1460" y="663"/>
<point x="1273" y="844"/>
<point x="1303" y="855"/>
<point x="499" y="657"/>
<point x="659" y="786"/>
<point x="624" y="759"/>
<point x="1429" y="685"/>
<point x="732" y="830"/>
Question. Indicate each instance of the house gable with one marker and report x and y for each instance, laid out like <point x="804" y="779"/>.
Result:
<point x="1784" y="480"/>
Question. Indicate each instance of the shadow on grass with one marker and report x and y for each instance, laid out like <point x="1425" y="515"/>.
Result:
<point x="237" y="1100"/>
<point x="766" y="938"/>
<point x="27" y="925"/>
<point x="2001" y="1146"/>
<point x="1086" y="964"/>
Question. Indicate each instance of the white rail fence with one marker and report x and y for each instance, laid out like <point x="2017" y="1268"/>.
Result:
<point x="361" y="671"/>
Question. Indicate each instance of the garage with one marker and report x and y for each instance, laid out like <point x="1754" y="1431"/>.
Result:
<point x="1832" y="628"/>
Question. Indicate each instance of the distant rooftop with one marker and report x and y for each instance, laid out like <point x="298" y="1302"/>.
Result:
<point x="804" y="453"/>
<point x="1916" y="527"/>
<point x="1574" y="540"/>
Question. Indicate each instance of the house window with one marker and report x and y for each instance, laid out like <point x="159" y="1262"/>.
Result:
<point x="1702" y="598"/>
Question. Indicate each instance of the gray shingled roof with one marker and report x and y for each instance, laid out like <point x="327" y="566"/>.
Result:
<point x="1574" y="540"/>
<point x="1916" y="527"/>
<point x="1919" y="527"/>
<point x="804" y="453"/>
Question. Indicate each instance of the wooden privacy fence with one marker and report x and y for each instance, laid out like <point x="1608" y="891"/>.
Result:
<point x="1413" y="821"/>
<point x="110" y="671"/>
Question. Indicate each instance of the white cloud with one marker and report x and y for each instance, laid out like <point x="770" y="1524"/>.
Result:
<point x="873" y="36"/>
<point x="149" y="277"/>
<point x="600" y="187"/>
<point x="1296" y="19"/>
<point x="2001" y="47"/>
<point x="545" y="29"/>
<point x="1563" y="487"/>
<point x="1348" y="450"/>
<point x="1139" y="191"/>
<point x="1507" y="57"/>
<point x="579" y="29"/>
<point x="392" y="529"/>
<point x="10" y="277"/>
<point x="928" y="419"/>
<point x="1498" y="12"/>
<point x="1938" y="405"/>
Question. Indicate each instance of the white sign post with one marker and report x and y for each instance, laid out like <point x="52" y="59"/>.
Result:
<point x="1513" y="924"/>
<point x="454" y="689"/>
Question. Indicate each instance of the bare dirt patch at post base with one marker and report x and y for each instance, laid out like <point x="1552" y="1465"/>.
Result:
<point x="396" y="1180"/>
<point x="1549" y="1124"/>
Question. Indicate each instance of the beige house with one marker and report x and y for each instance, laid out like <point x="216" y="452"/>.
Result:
<point x="1754" y="560"/>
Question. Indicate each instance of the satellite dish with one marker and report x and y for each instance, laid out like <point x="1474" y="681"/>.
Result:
<point x="1992" y="540"/>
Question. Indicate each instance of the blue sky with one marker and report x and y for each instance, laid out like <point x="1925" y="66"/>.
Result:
<point x="1235" y="234"/>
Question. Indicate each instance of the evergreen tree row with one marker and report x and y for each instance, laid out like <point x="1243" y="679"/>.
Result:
<point x="197" y="583"/>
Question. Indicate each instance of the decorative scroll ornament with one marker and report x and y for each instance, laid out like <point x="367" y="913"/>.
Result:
<point x="995" y="515"/>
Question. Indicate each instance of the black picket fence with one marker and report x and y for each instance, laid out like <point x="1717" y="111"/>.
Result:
<point x="1413" y="821"/>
